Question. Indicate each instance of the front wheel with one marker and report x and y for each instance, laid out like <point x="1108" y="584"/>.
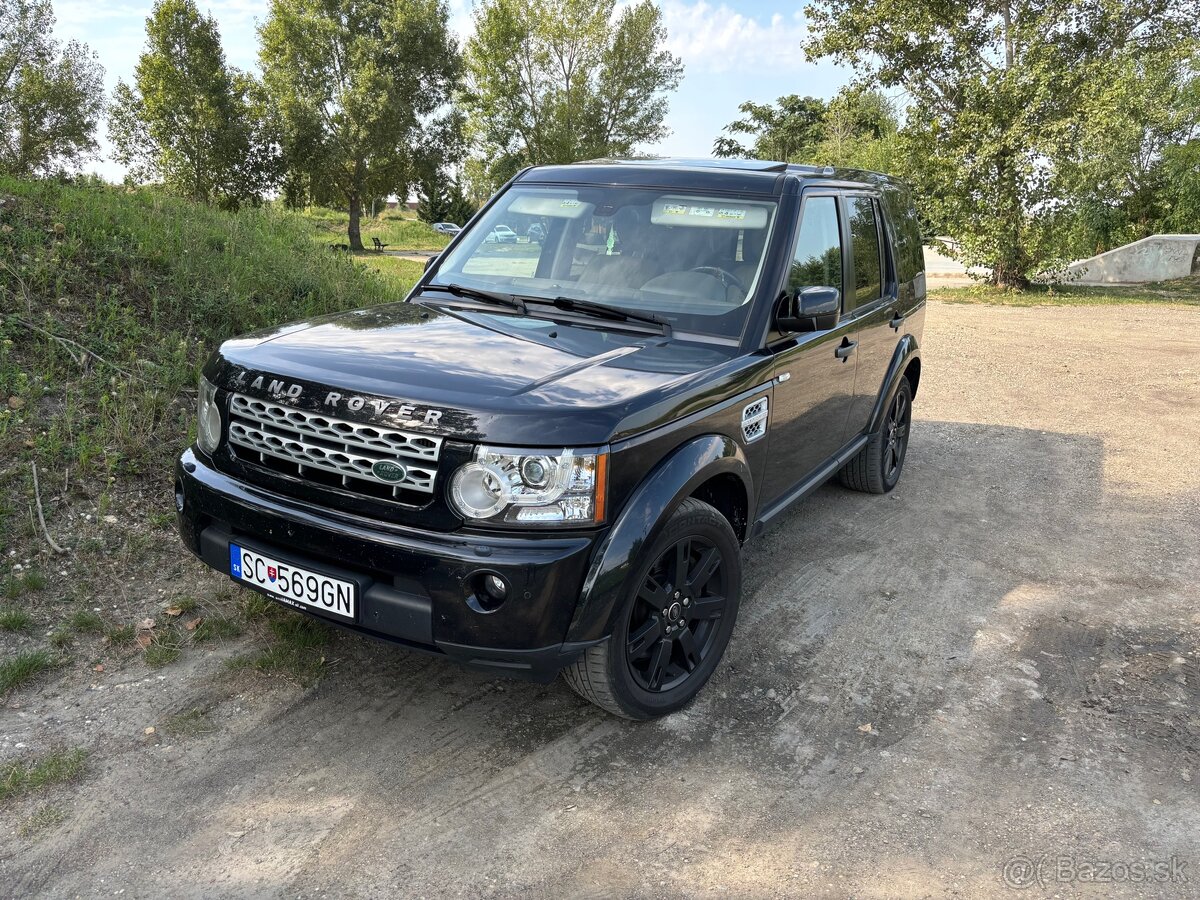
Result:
<point x="674" y="624"/>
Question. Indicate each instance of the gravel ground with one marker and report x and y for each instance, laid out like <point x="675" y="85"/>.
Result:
<point x="992" y="671"/>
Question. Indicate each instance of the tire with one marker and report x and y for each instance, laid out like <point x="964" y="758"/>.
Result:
<point x="638" y="679"/>
<point x="877" y="467"/>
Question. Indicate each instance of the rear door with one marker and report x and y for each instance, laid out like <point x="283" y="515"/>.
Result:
<point x="814" y="371"/>
<point x="871" y="303"/>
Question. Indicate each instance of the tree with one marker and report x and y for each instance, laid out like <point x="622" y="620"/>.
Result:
<point x="788" y="131"/>
<point x="357" y="84"/>
<point x="859" y="132"/>
<point x="1129" y="174"/>
<point x="51" y="94"/>
<point x="189" y="120"/>
<point x="993" y="85"/>
<point x="442" y="199"/>
<point x="856" y="129"/>
<point x="556" y="81"/>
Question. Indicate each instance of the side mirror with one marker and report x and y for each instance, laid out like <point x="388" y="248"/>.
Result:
<point x="813" y="309"/>
<point x="429" y="262"/>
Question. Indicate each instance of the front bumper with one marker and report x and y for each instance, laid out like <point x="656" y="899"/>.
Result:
<point x="413" y="584"/>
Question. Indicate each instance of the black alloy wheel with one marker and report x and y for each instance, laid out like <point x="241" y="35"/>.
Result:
<point x="673" y="625"/>
<point x="674" y="620"/>
<point x="895" y="429"/>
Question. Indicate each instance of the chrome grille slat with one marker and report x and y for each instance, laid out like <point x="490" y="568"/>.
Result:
<point x="364" y="437"/>
<point x="311" y="441"/>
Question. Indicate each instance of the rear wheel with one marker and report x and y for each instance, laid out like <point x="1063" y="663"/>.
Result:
<point x="675" y="622"/>
<point x="876" y="469"/>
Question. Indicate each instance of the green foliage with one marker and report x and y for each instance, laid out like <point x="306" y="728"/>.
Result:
<point x="396" y="228"/>
<point x="151" y="284"/>
<point x="51" y="94"/>
<point x="1182" y="291"/>
<point x="22" y="776"/>
<point x="556" y="81"/>
<point x="15" y="619"/>
<point x="190" y="121"/>
<point x="17" y="669"/>
<point x="357" y="86"/>
<point x="995" y="92"/>
<point x="1134" y="165"/>
<point x="443" y="200"/>
<point x="856" y="130"/>
<point x="787" y="131"/>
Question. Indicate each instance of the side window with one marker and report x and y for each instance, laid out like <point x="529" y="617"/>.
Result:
<point x="817" y="261"/>
<point x="864" y="233"/>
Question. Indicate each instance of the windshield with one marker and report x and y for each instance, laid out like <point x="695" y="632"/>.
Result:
<point x="694" y="260"/>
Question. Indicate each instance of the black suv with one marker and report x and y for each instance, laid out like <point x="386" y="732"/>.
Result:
<point x="548" y="457"/>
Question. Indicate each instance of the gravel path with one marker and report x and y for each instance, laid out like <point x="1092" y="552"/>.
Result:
<point x="998" y="661"/>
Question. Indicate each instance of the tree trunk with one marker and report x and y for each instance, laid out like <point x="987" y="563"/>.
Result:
<point x="355" y="234"/>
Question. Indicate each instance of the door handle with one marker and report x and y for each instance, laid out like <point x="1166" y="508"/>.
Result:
<point x="847" y="347"/>
<point x="897" y="321"/>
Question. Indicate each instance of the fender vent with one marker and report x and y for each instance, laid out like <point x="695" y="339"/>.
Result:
<point x="754" y="420"/>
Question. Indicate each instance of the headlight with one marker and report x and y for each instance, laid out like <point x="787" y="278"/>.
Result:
<point x="531" y="487"/>
<point x="208" y="418"/>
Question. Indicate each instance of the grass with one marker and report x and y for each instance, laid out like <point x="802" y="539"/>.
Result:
<point x="40" y="822"/>
<point x="86" y="621"/>
<point x="21" y="668"/>
<point x="22" y="776"/>
<point x="1184" y="291"/>
<point x="12" y="619"/>
<point x="150" y="284"/>
<point x="61" y="639"/>
<point x="164" y="648"/>
<point x="295" y="650"/>
<point x="404" y="271"/>
<point x="18" y="585"/>
<point x="189" y="723"/>
<point x="399" y="229"/>
<point x="215" y="628"/>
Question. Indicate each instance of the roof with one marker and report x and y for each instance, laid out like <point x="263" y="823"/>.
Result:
<point x="746" y="175"/>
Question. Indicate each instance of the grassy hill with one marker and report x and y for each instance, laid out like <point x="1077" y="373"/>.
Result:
<point x="110" y="301"/>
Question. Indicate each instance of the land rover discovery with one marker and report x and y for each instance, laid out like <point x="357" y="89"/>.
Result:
<point x="548" y="457"/>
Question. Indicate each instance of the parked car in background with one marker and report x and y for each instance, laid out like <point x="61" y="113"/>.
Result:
<point x="501" y="234"/>
<point x="446" y="228"/>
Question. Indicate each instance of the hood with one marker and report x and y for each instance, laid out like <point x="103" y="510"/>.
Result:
<point x="470" y="374"/>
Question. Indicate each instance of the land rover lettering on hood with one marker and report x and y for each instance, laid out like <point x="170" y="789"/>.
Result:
<point x="548" y="458"/>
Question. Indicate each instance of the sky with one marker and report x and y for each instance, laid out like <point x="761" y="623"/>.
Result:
<point x="731" y="51"/>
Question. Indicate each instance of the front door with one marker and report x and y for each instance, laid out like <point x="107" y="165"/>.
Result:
<point x="814" y="371"/>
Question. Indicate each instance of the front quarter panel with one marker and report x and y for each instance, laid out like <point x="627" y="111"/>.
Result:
<point x="641" y="520"/>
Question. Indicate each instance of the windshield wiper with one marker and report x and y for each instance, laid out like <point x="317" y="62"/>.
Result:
<point x="604" y="311"/>
<point x="476" y="294"/>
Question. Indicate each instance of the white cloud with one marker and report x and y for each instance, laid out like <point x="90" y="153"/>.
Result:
<point x="719" y="39"/>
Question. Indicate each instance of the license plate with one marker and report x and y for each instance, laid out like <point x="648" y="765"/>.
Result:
<point x="292" y="584"/>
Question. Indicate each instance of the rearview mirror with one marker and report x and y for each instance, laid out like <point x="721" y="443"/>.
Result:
<point x="429" y="262"/>
<point x="812" y="309"/>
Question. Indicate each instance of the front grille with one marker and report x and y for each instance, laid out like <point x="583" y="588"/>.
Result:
<point x="331" y="451"/>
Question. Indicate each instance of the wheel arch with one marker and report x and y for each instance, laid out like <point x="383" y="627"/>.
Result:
<point x="906" y="359"/>
<point x="709" y="466"/>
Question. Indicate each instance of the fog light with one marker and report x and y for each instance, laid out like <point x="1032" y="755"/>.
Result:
<point x="495" y="586"/>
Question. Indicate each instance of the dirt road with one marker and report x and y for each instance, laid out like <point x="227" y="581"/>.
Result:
<point x="997" y="661"/>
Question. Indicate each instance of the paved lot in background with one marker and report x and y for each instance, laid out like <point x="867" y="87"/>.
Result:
<point x="998" y="660"/>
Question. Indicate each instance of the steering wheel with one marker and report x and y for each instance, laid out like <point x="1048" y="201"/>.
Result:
<point x="727" y="278"/>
